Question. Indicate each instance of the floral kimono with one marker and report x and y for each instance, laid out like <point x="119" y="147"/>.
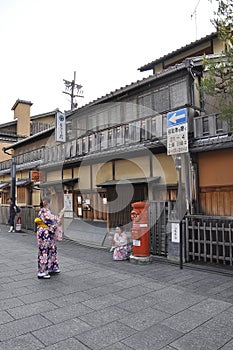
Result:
<point x="48" y="231"/>
<point x="122" y="248"/>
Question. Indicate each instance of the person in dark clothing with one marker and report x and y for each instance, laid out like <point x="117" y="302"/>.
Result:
<point x="13" y="210"/>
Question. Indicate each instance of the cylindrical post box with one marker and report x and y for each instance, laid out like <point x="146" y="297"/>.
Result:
<point x="140" y="229"/>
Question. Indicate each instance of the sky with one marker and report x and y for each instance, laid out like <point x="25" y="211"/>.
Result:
<point x="103" y="41"/>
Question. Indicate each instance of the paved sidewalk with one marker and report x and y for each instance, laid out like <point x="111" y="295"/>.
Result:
<point x="96" y="303"/>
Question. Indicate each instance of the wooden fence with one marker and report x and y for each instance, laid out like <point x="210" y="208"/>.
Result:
<point x="209" y="239"/>
<point x="27" y="214"/>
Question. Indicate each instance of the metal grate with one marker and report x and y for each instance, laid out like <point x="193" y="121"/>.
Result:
<point x="159" y="212"/>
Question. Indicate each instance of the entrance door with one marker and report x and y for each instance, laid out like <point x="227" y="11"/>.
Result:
<point x="90" y="206"/>
<point x="120" y="199"/>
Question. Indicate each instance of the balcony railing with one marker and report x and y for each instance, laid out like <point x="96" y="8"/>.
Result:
<point x="210" y="125"/>
<point x="5" y="165"/>
<point x="139" y="131"/>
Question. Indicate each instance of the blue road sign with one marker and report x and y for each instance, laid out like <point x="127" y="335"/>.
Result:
<point x="177" y="117"/>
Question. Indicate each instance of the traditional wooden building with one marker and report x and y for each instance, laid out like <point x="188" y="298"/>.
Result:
<point x="16" y="132"/>
<point x="116" y="153"/>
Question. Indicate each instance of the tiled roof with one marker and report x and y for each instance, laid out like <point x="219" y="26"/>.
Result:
<point x="150" y="65"/>
<point x="45" y="114"/>
<point x="31" y="138"/>
<point x="149" y="79"/>
<point x="37" y="116"/>
<point x="133" y="85"/>
<point x="212" y="143"/>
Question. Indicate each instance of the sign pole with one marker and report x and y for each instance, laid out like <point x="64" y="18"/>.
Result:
<point x="181" y="245"/>
<point x="179" y="197"/>
<point x="177" y="144"/>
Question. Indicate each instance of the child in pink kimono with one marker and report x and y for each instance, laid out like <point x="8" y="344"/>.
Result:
<point x="121" y="245"/>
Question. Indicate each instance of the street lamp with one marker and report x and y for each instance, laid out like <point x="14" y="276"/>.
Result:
<point x="13" y="180"/>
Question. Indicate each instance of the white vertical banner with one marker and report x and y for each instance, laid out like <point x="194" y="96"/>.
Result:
<point x="68" y="201"/>
<point x="68" y="205"/>
<point x="60" y="127"/>
<point x="175" y="232"/>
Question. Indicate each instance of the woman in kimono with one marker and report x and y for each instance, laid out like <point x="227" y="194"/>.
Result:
<point x="48" y="231"/>
<point x="121" y="245"/>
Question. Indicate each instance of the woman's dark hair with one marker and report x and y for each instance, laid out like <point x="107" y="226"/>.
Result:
<point x="46" y="199"/>
<point x="120" y="226"/>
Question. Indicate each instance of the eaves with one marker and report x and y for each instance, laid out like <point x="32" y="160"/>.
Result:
<point x="174" y="53"/>
<point x="38" y="116"/>
<point x="8" y="137"/>
<point x="212" y="143"/>
<point x="23" y="166"/>
<point x="29" y="165"/>
<point x="28" y="140"/>
<point x="147" y="180"/>
<point x="5" y="171"/>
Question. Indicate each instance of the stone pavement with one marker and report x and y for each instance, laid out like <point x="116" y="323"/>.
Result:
<point x="96" y="303"/>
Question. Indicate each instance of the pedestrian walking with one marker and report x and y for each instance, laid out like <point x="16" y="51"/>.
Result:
<point x="48" y="225"/>
<point x="13" y="211"/>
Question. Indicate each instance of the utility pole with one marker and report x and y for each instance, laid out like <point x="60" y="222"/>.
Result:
<point x="73" y="90"/>
<point x="194" y="13"/>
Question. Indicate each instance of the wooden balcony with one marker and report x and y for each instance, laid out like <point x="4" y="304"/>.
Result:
<point x="210" y="125"/>
<point x="141" y="131"/>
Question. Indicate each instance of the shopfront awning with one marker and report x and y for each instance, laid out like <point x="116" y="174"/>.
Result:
<point x="4" y="185"/>
<point x="148" y="180"/>
<point x="67" y="182"/>
<point x="23" y="182"/>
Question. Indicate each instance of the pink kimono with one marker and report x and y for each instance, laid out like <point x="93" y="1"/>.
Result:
<point x="122" y="247"/>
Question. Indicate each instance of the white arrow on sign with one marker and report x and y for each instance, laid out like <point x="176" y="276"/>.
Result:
<point x="175" y="117"/>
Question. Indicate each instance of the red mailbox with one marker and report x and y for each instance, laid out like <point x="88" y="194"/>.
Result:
<point x="140" y="229"/>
